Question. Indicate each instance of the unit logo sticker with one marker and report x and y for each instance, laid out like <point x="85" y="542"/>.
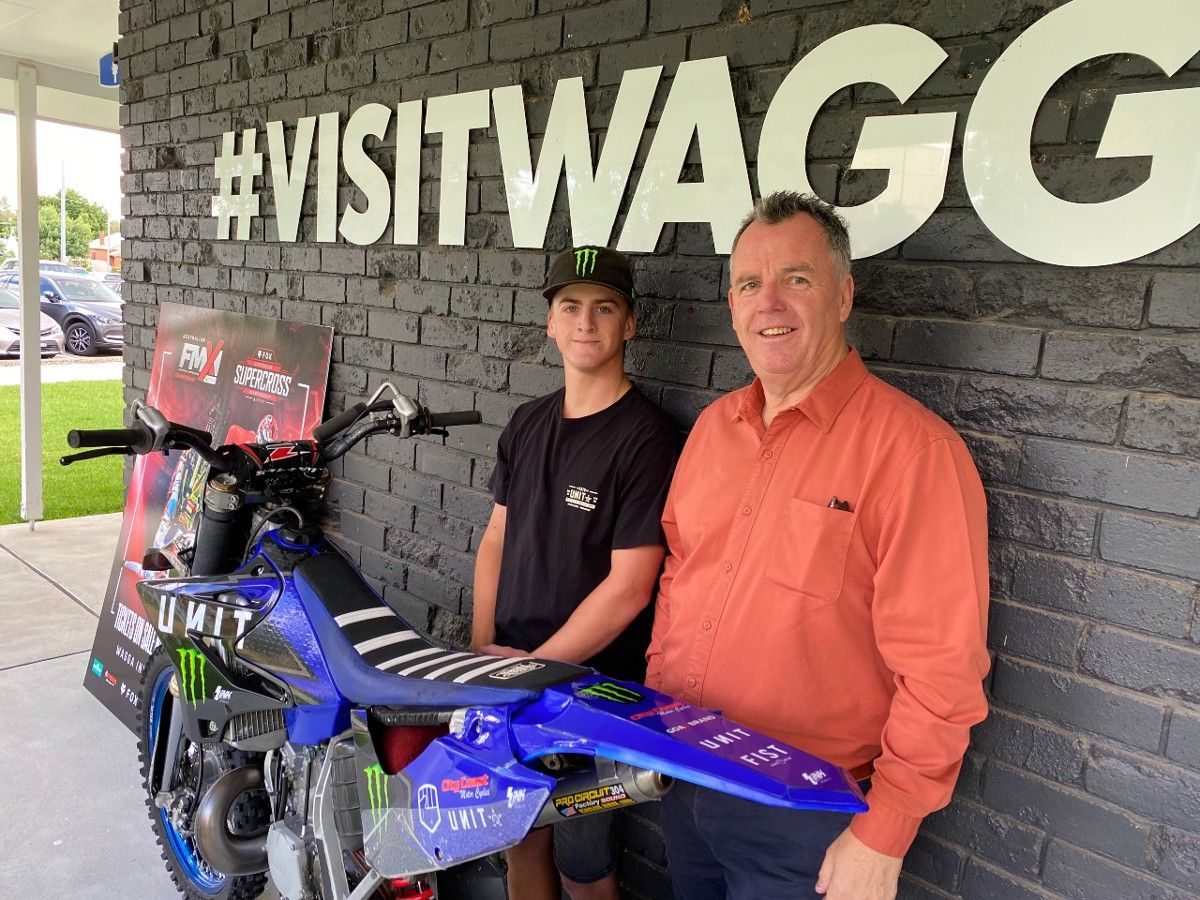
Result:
<point x="429" y="809"/>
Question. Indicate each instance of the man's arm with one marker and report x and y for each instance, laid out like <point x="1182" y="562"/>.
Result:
<point x="605" y="612"/>
<point x="487" y="579"/>
<point x="930" y="621"/>
<point x="662" y="604"/>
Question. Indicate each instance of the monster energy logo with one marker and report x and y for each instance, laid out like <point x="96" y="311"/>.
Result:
<point x="585" y="261"/>
<point x="191" y="664"/>
<point x="377" y="792"/>
<point x="606" y="690"/>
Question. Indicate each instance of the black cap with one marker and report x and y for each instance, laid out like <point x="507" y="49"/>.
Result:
<point x="591" y="265"/>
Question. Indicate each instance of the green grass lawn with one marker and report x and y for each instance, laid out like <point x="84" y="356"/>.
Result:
<point x="83" y="489"/>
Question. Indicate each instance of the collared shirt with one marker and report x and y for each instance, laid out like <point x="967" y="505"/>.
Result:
<point x="827" y="584"/>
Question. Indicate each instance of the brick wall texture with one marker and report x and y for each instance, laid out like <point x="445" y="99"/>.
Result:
<point x="1078" y="390"/>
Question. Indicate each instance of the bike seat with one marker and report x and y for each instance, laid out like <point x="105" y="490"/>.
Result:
<point x="376" y="658"/>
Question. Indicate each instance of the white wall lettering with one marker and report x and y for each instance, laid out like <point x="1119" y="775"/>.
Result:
<point x="455" y="116"/>
<point x="408" y="173"/>
<point x="1000" y="178"/>
<point x="593" y="194"/>
<point x="700" y="104"/>
<point x="913" y="148"/>
<point x="327" y="176"/>
<point x="367" y="226"/>
<point x="289" y="183"/>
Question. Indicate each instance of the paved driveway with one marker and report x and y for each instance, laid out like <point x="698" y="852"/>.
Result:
<point x="67" y="368"/>
<point x="72" y="812"/>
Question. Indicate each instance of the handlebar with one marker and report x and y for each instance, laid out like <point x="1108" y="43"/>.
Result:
<point x="450" y="419"/>
<point x="330" y="427"/>
<point x="104" y="437"/>
<point x="332" y="438"/>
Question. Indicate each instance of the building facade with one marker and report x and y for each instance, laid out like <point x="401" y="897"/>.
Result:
<point x="1035" y="281"/>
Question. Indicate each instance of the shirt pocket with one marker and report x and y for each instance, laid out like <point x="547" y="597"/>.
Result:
<point x="813" y="543"/>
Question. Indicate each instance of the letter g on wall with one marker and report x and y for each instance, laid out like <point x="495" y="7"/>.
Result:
<point x="1165" y="125"/>
<point x="914" y="148"/>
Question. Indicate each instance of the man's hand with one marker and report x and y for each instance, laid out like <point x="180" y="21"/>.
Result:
<point x="500" y="650"/>
<point x="853" y="871"/>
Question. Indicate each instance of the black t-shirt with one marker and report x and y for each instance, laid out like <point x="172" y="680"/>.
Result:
<point x="575" y="490"/>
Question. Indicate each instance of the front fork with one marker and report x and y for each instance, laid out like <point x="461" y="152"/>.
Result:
<point x="163" y="771"/>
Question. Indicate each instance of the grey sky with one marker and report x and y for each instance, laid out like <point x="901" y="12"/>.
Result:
<point x="93" y="162"/>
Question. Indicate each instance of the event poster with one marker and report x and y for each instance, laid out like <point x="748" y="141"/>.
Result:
<point x="242" y="379"/>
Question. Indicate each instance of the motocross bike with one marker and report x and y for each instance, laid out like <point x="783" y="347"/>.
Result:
<point x="294" y="725"/>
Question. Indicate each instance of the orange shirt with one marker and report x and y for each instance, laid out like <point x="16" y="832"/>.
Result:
<point x="858" y="635"/>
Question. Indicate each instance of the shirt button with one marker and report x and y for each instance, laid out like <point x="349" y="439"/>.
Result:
<point x="767" y="454"/>
<point x="728" y="567"/>
<point x="691" y="682"/>
<point x="707" y="624"/>
<point x="745" y="510"/>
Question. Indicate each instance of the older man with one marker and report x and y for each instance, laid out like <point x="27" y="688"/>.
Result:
<point x="826" y="583"/>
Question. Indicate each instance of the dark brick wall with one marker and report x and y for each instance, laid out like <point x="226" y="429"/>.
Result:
<point x="1077" y="389"/>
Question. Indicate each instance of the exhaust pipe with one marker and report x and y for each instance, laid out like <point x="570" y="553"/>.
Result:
<point x="226" y="852"/>
<point x="606" y="786"/>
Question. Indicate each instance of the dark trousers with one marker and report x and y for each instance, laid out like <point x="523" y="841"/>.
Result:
<point x="723" y="848"/>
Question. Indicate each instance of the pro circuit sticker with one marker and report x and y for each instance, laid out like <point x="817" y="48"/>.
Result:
<point x="593" y="800"/>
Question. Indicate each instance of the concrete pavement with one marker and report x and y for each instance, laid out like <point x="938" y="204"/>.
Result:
<point x="73" y="819"/>
<point x="67" y="368"/>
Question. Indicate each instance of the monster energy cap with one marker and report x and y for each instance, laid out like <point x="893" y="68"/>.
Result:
<point x="591" y="265"/>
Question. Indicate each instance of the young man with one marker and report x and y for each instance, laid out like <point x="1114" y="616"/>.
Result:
<point x="568" y="564"/>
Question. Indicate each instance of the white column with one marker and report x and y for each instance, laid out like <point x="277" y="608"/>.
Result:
<point x="30" y="253"/>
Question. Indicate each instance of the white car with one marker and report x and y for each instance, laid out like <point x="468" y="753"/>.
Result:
<point x="51" y="338"/>
<point x="44" y="265"/>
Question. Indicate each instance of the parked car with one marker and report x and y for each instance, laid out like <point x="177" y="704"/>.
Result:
<point x="113" y="280"/>
<point x="51" y="338"/>
<point x="44" y="265"/>
<point x="88" y="311"/>
<point x="80" y="270"/>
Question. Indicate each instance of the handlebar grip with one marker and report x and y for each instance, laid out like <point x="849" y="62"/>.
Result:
<point x="104" y="437"/>
<point x="449" y="419"/>
<point x="203" y="436"/>
<point x="330" y="427"/>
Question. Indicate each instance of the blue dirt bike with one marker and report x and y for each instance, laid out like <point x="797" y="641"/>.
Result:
<point x="294" y="725"/>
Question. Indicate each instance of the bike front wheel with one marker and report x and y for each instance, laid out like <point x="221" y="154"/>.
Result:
<point x="186" y="773"/>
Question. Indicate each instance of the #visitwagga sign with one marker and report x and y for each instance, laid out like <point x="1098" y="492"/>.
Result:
<point x="913" y="148"/>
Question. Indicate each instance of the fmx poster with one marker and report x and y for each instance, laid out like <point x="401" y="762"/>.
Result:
<point x="240" y="378"/>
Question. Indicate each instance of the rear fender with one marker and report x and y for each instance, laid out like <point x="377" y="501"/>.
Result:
<point x="633" y="724"/>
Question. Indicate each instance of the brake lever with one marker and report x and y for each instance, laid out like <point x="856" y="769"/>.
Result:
<point x="92" y="454"/>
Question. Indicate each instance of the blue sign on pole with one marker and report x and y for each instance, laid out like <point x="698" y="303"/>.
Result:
<point x="110" y="72"/>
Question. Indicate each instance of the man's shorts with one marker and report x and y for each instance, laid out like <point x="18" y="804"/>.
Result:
<point x="724" y="848"/>
<point x="585" y="847"/>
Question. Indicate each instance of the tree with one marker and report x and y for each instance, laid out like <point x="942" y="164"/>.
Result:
<point x="85" y="222"/>
<point x="8" y="219"/>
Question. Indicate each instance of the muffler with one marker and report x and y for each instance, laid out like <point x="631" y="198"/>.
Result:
<point x="607" y="785"/>
<point x="226" y="852"/>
